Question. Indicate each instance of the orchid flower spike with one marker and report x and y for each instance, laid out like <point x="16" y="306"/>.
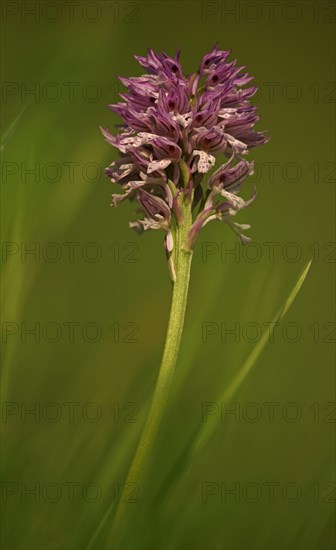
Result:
<point x="184" y="138"/>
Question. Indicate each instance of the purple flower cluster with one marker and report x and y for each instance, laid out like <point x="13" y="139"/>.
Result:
<point x="176" y="129"/>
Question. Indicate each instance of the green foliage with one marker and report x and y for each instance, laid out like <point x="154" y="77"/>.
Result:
<point x="51" y="451"/>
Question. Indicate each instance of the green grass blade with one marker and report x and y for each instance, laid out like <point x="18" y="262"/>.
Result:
<point x="11" y="129"/>
<point x="206" y="430"/>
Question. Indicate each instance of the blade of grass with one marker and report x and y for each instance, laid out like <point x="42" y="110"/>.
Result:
<point x="202" y="434"/>
<point x="207" y="429"/>
<point x="11" y="129"/>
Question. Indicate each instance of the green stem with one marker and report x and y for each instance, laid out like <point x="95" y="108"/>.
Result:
<point x="174" y="333"/>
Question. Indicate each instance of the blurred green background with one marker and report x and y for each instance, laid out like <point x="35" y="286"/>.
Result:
<point x="84" y="316"/>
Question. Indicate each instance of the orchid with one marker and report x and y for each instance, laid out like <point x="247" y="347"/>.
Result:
<point x="176" y="129"/>
<point x="183" y="148"/>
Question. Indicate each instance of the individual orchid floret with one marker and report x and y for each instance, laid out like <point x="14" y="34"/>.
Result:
<point x="184" y="141"/>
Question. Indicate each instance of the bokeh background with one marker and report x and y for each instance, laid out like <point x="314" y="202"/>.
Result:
<point x="85" y="301"/>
